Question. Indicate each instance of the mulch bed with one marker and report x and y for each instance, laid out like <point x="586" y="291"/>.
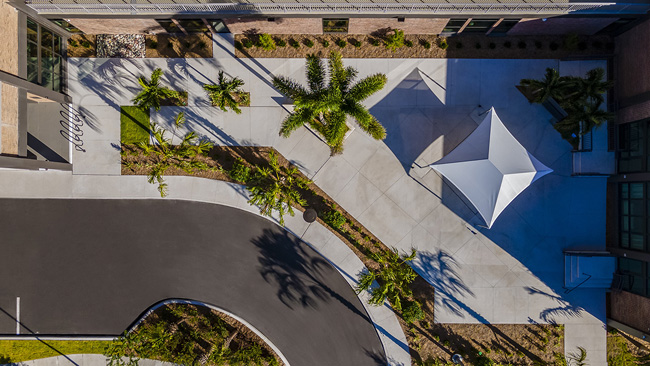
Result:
<point x="521" y="47"/>
<point x="522" y="344"/>
<point x="82" y="45"/>
<point x="240" y="336"/>
<point x="622" y="346"/>
<point x="172" y="46"/>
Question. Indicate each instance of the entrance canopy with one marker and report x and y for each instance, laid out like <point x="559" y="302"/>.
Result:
<point x="490" y="167"/>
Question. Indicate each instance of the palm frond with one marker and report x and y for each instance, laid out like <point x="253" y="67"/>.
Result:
<point x="315" y="73"/>
<point x="366" y="121"/>
<point x="367" y="87"/>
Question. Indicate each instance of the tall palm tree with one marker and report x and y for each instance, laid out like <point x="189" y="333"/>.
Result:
<point x="592" y="87"/>
<point x="326" y="106"/>
<point x="552" y="86"/>
<point x="152" y="92"/>
<point x="583" y="117"/>
<point x="221" y="94"/>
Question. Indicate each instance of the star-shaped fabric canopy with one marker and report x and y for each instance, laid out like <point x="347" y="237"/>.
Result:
<point x="490" y="167"/>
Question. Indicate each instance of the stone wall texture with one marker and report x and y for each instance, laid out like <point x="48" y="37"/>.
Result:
<point x="278" y="26"/>
<point x="117" y="26"/>
<point x="631" y="310"/>
<point x="9" y="36"/>
<point x="559" y="26"/>
<point x="409" y="25"/>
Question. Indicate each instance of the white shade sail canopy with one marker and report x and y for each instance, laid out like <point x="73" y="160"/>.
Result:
<point x="490" y="167"/>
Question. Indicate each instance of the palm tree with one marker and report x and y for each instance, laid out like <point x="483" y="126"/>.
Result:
<point x="393" y="276"/>
<point x="583" y="117"/>
<point x="221" y="94"/>
<point x="552" y="86"/>
<point x="152" y="92"/>
<point x="325" y="107"/>
<point x="276" y="188"/>
<point x="592" y="87"/>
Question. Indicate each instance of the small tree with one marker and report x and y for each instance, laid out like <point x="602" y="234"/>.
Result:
<point x="167" y="155"/>
<point x="152" y="92"/>
<point x="276" y="188"/>
<point x="394" y="277"/>
<point x="395" y="40"/>
<point x="325" y="107"/>
<point x="266" y="42"/>
<point x="221" y="94"/>
<point x="552" y="86"/>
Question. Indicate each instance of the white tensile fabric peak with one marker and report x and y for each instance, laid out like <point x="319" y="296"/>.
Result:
<point x="490" y="167"/>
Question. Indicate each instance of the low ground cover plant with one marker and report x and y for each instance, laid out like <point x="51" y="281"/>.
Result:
<point x="394" y="40"/>
<point x="266" y="42"/>
<point x="189" y="335"/>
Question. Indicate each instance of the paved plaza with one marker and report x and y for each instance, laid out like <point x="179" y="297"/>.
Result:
<point x="511" y="273"/>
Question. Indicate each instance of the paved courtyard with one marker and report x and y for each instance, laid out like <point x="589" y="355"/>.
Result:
<point x="512" y="273"/>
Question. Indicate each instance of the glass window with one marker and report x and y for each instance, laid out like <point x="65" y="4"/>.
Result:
<point x="454" y="25"/>
<point x="632" y="149"/>
<point x="335" y="25"/>
<point x="636" y="276"/>
<point x="479" y="25"/>
<point x="634" y="216"/>
<point x="219" y="26"/>
<point x="504" y="26"/>
<point x="45" y="59"/>
<point x="65" y="25"/>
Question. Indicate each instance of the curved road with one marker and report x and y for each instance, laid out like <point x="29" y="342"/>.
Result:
<point x="92" y="267"/>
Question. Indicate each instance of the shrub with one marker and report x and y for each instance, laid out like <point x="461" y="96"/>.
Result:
<point x="395" y="40"/>
<point x="507" y="44"/>
<point x="459" y="45"/>
<point x="326" y="43"/>
<point x="408" y="43"/>
<point x="483" y="360"/>
<point x="341" y="43"/>
<point x="553" y="46"/>
<point x="309" y="43"/>
<point x="538" y="45"/>
<point x="375" y="42"/>
<point x="571" y="41"/>
<point x="427" y="45"/>
<point x="477" y="45"/>
<point x="443" y="44"/>
<point x="412" y="311"/>
<point x="72" y="42"/>
<point x="202" y="45"/>
<point x="85" y="44"/>
<point x="293" y="43"/>
<point x="357" y="44"/>
<point x="170" y="44"/>
<point x="492" y="45"/>
<point x="187" y="44"/>
<point x="240" y="172"/>
<point x="281" y="42"/>
<point x="266" y="42"/>
<point x="334" y="218"/>
<point x="521" y="45"/>
<point x="153" y="44"/>
<point x="248" y="43"/>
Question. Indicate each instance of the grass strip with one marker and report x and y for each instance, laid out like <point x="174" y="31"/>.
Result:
<point x="134" y="125"/>
<point x="12" y="351"/>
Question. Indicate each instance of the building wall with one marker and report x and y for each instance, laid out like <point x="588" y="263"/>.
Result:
<point x="632" y="74"/>
<point x="278" y="26"/>
<point x="409" y="25"/>
<point x="558" y="26"/>
<point x="117" y="26"/>
<point x="631" y="310"/>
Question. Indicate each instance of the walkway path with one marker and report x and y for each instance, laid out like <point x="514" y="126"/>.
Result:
<point x="512" y="273"/>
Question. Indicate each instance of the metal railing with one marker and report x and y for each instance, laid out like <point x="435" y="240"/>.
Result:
<point x="549" y="8"/>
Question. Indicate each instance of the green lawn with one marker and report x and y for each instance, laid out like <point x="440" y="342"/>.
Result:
<point x="134" y="124"/>
<point x="18" y="350"/>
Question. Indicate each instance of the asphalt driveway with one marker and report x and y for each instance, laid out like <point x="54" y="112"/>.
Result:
<point x="92" y="267"/>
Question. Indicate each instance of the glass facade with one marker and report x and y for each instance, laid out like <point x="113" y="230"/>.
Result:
<point x="636" y="276"/>
<point x="479" y="26"/>
<point x="45" y="60"/>
<point x="632" y="147"/>
<point x="634" y="208"/>
<point x="335" y="25"/>
<point x="504" y="26"/>
<point x="454" y="25"/>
